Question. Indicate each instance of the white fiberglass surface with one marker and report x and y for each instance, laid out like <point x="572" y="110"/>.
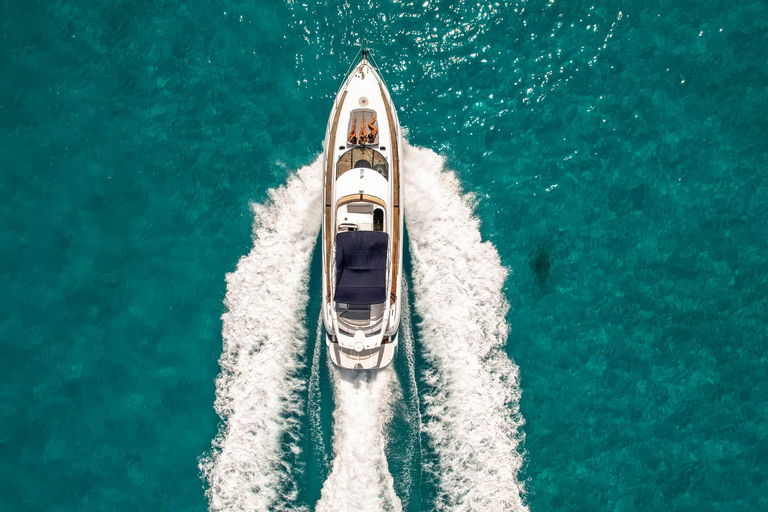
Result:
<point x="369" y="181"/>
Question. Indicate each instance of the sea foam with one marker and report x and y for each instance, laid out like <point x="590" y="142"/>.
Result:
<point x="359" y="480"/>
<point x="409" y="449"/>
<point x="258" y="393"/>
<point x="471" y="416"/>
<point x="314" y="396"/>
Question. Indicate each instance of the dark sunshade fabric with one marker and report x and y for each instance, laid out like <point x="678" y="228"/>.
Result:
<point x="361" y="267"/>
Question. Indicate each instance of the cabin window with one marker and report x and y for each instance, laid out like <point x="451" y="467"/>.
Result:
<point x="362" y="158"/>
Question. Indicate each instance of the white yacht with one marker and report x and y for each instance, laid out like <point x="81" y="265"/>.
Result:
<point x="362" y="222"/>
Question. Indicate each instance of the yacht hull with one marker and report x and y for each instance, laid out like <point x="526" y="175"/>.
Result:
<point x="362" y="200"/>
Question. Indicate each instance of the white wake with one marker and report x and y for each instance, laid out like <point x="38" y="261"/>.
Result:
<point x="471" y="414"/>
<point x="413" y="449"/>
<point x="314" y="395"/>
<point x="258" y="393"/>
<point x="359" y="480"/>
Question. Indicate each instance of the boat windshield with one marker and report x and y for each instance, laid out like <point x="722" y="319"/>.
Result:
<point x="362" y="157"/>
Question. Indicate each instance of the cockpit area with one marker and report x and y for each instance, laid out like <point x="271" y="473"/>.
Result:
<point x="360" y="317"/>
<point x="359" y="216"/>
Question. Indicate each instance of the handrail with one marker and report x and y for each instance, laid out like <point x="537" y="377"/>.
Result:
<point x="354" y="61"/>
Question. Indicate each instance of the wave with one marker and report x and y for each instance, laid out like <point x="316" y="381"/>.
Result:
<point x="405" y="448"/>
<point x="471" y="415"/>
<point x="259" y="392"/>
<point x="359" y="480"/>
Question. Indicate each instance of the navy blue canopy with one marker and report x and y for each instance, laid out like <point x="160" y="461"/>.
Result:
<point x="361" y="267"/>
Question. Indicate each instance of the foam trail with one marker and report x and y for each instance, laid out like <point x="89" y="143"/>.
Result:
<point x="406" y="331"/>
<point x="315" y="421"/>
<point x="471" y="414"/>
<point x="258" y="391"/>
<point x="413" y="448"/>
<point x="359" y="480"/>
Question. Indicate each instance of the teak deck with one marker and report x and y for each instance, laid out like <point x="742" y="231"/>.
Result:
<point x="396" y="196"/>
<point x="329" y="174"/>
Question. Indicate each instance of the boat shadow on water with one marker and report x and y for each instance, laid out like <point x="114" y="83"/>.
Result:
<point x="542" y="265"/>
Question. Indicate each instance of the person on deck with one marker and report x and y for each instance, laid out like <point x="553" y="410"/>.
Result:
<point x="363" y="135"/>
<point x="374" y="130"/>
<point x="352" y="137"/>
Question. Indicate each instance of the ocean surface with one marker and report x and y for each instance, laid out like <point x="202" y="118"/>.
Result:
<point x="587" y="261"/>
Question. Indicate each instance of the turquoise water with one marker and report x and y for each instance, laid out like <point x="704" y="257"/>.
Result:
<point x="616" y="152"/>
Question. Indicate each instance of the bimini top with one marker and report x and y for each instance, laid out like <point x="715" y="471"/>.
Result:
<point x="361" y="267"/>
